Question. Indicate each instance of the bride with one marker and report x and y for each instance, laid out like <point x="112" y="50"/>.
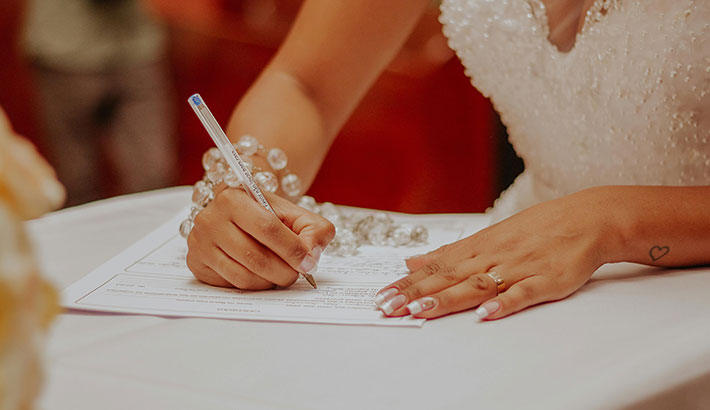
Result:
<point x="606" y="101"/>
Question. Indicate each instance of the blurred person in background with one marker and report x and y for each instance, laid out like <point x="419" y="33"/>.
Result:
<point x="104" y="95"/>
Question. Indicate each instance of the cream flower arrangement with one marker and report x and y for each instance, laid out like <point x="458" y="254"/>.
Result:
<point x="28" y="188"/>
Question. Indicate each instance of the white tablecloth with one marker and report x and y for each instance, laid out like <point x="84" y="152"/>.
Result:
<point x="634" y="337"/>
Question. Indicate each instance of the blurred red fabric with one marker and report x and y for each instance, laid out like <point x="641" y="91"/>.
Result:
<point x="16" y="91"/>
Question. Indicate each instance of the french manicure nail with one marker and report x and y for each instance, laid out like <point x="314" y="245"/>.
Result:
<point x="316" y="252"/>
<point x="421" y="305"/>
<point x="393" y="304"/>
<point x="384" y="296"/>
<point x="487" y="309"/>
<point x="309" y="264"/>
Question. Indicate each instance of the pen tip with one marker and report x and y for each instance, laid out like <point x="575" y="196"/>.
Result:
<point x="311" y="280"/>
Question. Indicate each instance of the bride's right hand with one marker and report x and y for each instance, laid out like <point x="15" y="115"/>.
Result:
<point x="235" y="242"/>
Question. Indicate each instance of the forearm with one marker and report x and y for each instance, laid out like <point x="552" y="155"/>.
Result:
<point x="659" y="226"/>
<point x="333" y="54"/>
<point x="279" y="114"/>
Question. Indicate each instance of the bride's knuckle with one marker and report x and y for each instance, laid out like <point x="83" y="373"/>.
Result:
<point x="432" y="268"/>
<point x="191" y="261"/>
<point x="192" y="240"/>
<point x="297" y="252"/>
<point x="255" y="260"/>
<point x="443" y="249"/>
<point x="448" y="273"/>
<point x="202" y="220"/>
<point x="405" y="283"/>
<point x="527" y="292"/>
<point x="271" y="226"/>
<point x="224" y="199"/>
<point x="479" y="284"/>
<point x="444" y="300"/>
<point x="241" y="281"/>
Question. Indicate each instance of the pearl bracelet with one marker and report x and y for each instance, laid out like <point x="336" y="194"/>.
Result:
<point x="217" y="171"/>
<point x="352" y="230"/>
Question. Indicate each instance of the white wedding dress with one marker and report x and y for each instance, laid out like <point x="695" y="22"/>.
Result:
<point x="629" y="104"/>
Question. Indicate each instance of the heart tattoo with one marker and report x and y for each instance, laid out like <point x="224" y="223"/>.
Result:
<point x="657" y="252"/>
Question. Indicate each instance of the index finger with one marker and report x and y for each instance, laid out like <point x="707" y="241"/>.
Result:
<point x="268" y="229"/>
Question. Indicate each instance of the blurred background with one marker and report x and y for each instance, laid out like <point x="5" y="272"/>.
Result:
<point x="100" y="87"/>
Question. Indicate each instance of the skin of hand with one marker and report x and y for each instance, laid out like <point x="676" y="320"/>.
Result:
<point x="235" y="242"/>
<point x="550" y="250"/>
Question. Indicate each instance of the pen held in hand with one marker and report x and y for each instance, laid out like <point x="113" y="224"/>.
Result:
<point x="233" y="159"/>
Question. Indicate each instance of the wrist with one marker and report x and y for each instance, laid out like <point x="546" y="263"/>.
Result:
<point x="611" y="223"/>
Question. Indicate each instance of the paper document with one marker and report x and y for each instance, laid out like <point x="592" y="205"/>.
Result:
<point x="151" y="277"/>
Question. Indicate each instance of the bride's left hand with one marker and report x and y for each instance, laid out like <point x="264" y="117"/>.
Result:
<point x="542" y="254"/>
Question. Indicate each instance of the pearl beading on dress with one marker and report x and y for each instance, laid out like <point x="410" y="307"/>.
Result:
<point x="627" y="105"/>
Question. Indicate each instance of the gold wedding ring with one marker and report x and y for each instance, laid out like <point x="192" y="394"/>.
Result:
<point x="500" y="283"/>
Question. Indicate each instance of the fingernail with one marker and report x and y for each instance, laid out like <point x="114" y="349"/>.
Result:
<point x="309" y="264"/>
<point x="421" y="305"/>
<point x="384" y="296"/>
<point x="393" y="304"/>
<point x="316" y="252"/>
<point x="487" y="309"/>
<point x="414" y="256"/>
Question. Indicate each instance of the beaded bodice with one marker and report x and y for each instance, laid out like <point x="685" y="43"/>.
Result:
<point x="628" y="104"/>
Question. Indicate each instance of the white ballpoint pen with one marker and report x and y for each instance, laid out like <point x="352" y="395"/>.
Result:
<point x="233" y="159"/>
